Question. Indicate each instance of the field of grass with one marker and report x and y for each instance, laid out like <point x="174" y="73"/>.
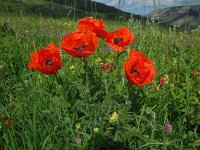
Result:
<point x="64" y="111"/>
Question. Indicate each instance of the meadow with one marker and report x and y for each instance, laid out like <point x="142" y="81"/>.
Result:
<point x="94" y="108"/>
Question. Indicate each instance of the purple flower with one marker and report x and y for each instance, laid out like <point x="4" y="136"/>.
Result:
<point x="168" y="128"/>
<point x="58" y="35"/>
<point x="25" y="33"/>
<point x="107" y="48"/>
<point x="153" y="148"/>
<point x="65" y="33"/>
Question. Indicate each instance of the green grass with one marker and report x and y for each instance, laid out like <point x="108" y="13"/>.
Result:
<point x="52" y="114"/>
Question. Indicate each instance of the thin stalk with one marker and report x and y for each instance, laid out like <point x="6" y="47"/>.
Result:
<point x="60" y="81"/>
<point x="34" y="127"/>
<point x="86" y="68"/>
<point x="118" y="56"/>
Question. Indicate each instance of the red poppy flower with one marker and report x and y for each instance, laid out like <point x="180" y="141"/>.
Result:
<point x="96" y="26"/>
<point x="119" y="38"/>
<point x="46" y="60"/>
<point x="9" y="122"/>
<point x="138" y="69"/>
<point x="80" y="43"/>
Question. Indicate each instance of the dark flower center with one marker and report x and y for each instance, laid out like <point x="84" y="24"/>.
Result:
<point x="49" y="62"/>
<point x="134" y="71"/>
<point x="117" y="40"/>
<point x="81" y="48"/>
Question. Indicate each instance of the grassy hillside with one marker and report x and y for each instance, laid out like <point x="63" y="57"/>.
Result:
<point x="62" y="8"/>
<point x="186" y="17"/>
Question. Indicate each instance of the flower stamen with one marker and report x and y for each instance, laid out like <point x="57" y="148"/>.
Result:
<point x="118" y="40"/>
<point x="80" y="48"/>
<point x="49" y="62"/>
<point x="134" y="71"/>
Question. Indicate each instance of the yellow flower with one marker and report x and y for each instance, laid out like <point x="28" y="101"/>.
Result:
<point x="78" y="126"/>
<point x="174" y="62"/>
<point x="96" y="130"/>
<point x="128" y="50"/>
<point x="98" y="60"/>
<point x="114" y="117"/>
<point x="41" y="79"/>
<point x="167" y="78"/>
<point x="108" y="60"/>
<point x="197" y="141"/>
<point x="68" y="24"/>
<point x="172" y="86"/>
<point x="71" y="67"/>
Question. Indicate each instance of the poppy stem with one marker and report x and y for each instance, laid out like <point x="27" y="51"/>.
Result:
<point x="86" y="68"/>
<point x="117" y="60"/>
<point x="118" y="56"/>
<point x="60" y="81"/>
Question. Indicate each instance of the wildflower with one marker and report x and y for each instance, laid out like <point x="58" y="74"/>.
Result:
<point x="172" y="86"/>
<point x="78" y="126"/>
<point x="46" y="60"/>
<point x="153" y="148"/>
<point x="68" y="24"/>
<point x="9" y="122"/>
<point x="174" y="62"/>
<point x="58" y="35"/>
<point x="98" y="60"/>
<point x="71" y="67"/>
<point x="25" y="33"/>
<point x="78" y="140"/>
<point x="94" y="25"/>
<point x="162" y="80"/>
<point x="168" y="128"/>
<point x="197" y="141"/>
<point x="114" y="117"/>
<point x="106" y="67"/>
<point x="119" y="38"/>
<point x="108" y="60"/>
<point x="96" y="130"/>
<point x="32" y="45"/>
<point x="106" y="49"/>
<point x="138" y="69"/>
<point x="80" y="43"/>
<point x="196" y="74"/>
<point x="40" y="77"/>
<point x="1" y="66"/>
<point x="65" y="33"/>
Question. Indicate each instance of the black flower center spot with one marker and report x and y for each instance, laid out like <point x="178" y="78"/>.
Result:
<point x="134" y="71"/>
<point x="80" y="48"/>
<point x="117" y="40"/>
<point x="49" y="62"/>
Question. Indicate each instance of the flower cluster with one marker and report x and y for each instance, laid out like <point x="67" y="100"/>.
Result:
<point x="84" y="41"/>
